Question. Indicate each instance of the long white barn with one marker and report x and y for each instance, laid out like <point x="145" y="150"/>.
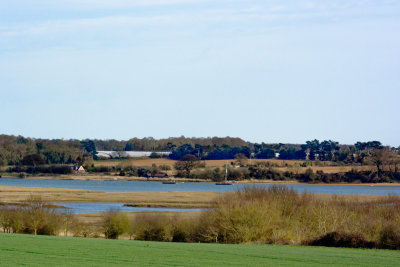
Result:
<point x="128" y="154"/>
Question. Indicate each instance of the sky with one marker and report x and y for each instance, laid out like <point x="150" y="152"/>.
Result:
<point x="265" y="71"/>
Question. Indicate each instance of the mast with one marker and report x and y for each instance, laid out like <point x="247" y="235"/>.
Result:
<point x="226" y="171"/>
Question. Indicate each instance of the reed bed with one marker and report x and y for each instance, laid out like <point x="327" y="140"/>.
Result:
<point x="279" y="215"/>
<point x="273" y="215"/>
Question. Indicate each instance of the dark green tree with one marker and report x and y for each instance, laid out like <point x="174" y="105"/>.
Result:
<point x="33" y="160"/>
<point x="90" y="148"/>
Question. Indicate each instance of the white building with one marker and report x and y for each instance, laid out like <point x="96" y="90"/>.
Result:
<point x="128" y="154"/>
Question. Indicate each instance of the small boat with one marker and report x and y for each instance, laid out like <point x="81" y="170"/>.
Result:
<point x="169" y="182"/>
<point x="225" y="182"/>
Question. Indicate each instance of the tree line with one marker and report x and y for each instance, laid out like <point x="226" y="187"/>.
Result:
<point x="19" y="150"/>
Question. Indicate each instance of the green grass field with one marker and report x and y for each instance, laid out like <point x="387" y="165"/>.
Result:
<point x="29" y="250"/>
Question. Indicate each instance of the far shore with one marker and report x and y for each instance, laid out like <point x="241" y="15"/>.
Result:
<point x="134" y="178"/>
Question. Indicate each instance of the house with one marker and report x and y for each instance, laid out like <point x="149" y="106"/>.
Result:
<point x="156" y="175"/>
<point x="78" y="169"/>
<point x="160" y="175"/>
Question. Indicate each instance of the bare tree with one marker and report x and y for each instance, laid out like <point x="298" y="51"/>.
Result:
<point x="241" y="159"/>
<point x="186" y="164"/>
<point x="68" y="220"/>
<point x="35" y="209"/>
<point x="380" y="157"/>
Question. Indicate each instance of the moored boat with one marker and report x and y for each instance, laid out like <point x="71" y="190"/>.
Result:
<point x="225" y="182"/>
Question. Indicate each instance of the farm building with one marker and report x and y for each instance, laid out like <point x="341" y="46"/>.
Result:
<point x="156" y="175"/>
<point x="128" y="154"/>
<point x="78" y="169"/>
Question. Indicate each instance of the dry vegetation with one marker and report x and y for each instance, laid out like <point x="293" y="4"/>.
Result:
<point x="253" y="215"/>
<point x="174" y="199"/>
<point x="281" y="216"/>
<point x="171" y="199"/>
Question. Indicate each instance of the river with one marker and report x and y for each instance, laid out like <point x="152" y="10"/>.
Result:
<point x="155" y="186"/>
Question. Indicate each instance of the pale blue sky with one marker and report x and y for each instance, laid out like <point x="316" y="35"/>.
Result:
<point x="271" y="71"/>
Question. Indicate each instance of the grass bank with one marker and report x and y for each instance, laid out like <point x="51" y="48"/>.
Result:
<point x="28" y="250"/>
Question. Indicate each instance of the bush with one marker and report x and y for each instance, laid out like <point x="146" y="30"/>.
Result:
<point x="51" y="226"/>
<point x="206" y="174"/>
<point x="155" y="155"/>
<point x="238" y="174"/>
<point x="101" y="169"/>
<point x="40" y="217"/>
<point x="80" y="229"/>
<point x="35" y="216"/>
<point x="115" y="224"/>
<point x="390" y="237"/>
<point x="151" y="227"/>
<point x="164" y="167"/>
<point x="280" y="215"/>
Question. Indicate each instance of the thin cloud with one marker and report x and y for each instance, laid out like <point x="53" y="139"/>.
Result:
<point x="275" y="11"/>
<point x="98" y="4"/>
<point x="71" y="25"/>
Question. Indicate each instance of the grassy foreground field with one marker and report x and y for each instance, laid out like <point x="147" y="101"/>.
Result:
<point x="29" y="250"/>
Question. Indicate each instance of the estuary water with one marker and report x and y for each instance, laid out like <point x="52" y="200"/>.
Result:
<point x="155" y="186"/>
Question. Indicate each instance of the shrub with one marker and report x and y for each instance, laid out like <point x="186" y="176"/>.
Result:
<point x="238" y="174"/>
<point x="102" y="169"/>
<point x="280" y="215"/>
<point x="34" y="216"/>
<point x="390" y="237"/>
<point x="151" y="227"/>
<point x="51" y="225"/>
<point x="155" y="155"/>
<point x="164" y="167"/>
<point x="40" y="217"/>
<point x="81" y="229"/>
<point x="115" y="224"/>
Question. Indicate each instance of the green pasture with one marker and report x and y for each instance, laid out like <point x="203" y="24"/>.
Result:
<point x="30" y="250"/>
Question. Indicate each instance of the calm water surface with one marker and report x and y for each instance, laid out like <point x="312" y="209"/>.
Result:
<point x="144" y="186"/>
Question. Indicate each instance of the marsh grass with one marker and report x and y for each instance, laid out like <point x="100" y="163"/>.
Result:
<point x="279" y="215"/>
<point x="273" y="215"/>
